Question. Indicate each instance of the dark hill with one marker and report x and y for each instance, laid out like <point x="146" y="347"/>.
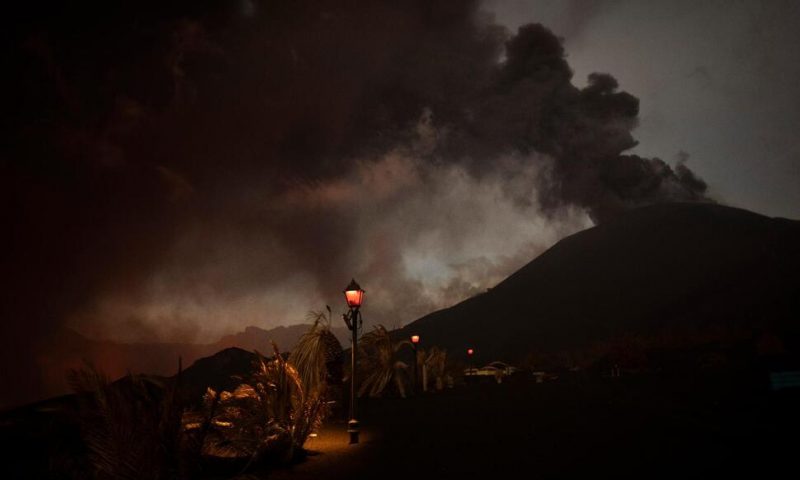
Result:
<point x="255" y="338"/>
<point x="224" y="370"/>
<point x="68" y="349"/>
<point x="654" y="270"/>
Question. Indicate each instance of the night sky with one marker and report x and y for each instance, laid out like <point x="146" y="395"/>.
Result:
<point x="175" y="171"/>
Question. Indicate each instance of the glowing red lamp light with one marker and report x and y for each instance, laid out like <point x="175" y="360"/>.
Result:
<point x="353" y="294"/>
<point x="415" y="339"/>
<point x="470" y="351"/>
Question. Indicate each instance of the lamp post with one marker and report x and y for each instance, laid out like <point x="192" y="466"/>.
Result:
<point x="414" y="343"/>
<point x="354" y="296"/>
<point x="470" y="352"/>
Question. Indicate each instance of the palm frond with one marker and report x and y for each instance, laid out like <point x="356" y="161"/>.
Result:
<point x="131" y="428"/>
<point x="378" y="364"/>
<point x="312" y="352"/>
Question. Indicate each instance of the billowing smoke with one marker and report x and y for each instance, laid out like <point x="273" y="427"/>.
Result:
<point x="179" y="169"/>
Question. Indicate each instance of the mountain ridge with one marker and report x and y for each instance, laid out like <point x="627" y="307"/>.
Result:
<point x="69" y="349"/>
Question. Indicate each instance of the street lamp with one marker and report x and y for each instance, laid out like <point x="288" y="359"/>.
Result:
<point x="354" y="296"/>
<point x="470" y="352"/>
<point x="414" y="343"/>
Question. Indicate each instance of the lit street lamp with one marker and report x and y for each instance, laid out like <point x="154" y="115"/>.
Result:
<point x="354" y="296"/>
<point x="414" y="343"/>
<point x="470" y="352"/>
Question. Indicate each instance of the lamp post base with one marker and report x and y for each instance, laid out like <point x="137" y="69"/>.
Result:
<point x="353" y="430"/>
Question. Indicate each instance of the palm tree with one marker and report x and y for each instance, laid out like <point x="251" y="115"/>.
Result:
<point x="289" y="404"/>
<point x="434" y="363"/>
<point x="318" y="355"/>
<point x="379" y="364"/>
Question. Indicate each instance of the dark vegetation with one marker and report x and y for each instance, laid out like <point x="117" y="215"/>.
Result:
<point x="234" y="412"/>
<point x="651" y="425"/>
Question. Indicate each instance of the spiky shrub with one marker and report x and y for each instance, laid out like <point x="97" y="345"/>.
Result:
<point x="131" y="428"/>
<point x="379" y="365"/>
<point x="270" y="417"/>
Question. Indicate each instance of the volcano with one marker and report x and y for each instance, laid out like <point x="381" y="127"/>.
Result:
<point x="654" y="271"/>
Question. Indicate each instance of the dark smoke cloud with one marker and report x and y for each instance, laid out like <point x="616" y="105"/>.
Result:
<point x="174" y="159"/>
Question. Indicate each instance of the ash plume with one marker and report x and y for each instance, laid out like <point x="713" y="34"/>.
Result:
<point x="213" y="159"/>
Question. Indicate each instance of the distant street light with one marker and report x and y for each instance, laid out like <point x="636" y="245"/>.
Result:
<point x="414" y="343"/>
<point x="470" y="352"/>
<point x="354" y="296"/>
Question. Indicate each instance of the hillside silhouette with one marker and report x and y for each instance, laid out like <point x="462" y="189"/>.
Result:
<point x="664" y="271"/>
<point x="69" y="349"/>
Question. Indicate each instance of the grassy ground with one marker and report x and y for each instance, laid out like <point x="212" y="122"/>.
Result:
<point x="622" y="427"/>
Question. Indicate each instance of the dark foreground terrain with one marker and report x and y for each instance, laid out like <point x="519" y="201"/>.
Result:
<point x="628" y="427"/>
<point x="647" y="426"/>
